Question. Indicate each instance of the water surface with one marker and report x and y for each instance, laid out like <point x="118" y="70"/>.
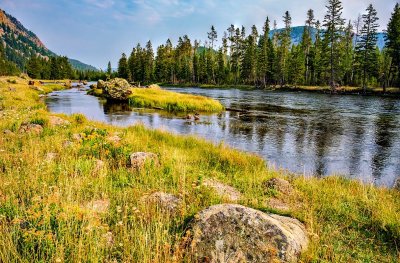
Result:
<point x="307" y="133"/>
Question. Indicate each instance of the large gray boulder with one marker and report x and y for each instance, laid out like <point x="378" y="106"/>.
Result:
<point x="116" y="89"/>
<point x="235" y="233"/>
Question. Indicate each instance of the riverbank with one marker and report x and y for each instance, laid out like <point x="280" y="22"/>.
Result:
<point x="391" y="91"/>
<point x="66" y="193"/>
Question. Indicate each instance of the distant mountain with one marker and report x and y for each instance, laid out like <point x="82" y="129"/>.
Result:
<point x="20" y="43"/>
<point x="297" y="33"/>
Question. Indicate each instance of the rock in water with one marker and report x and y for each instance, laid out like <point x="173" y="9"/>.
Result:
<point x="235" y="233"/>
<point x="139" y="159"/>
<point x="101" y="84"/>
<point x="116" y="89"/>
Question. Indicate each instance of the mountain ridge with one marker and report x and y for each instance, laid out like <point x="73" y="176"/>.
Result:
<point x="20" y="43"/>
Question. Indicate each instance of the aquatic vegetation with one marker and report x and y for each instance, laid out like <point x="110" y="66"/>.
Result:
<point x="85" y="204"/>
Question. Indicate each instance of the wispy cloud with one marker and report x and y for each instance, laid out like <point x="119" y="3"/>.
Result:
<point x="101" y="3"/>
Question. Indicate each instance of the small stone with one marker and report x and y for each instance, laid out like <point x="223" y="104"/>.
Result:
<point x="223" y="190"/>
<point x="109" y="238"/>
<point x="77" y="136"/>
<point x="278" y="204"/>
<point x="397" y="184"/>
<point x="166" y="202"/>
<point x="235" y="233"/>
<point x="114" y="139"/>
<point x="30" y="128"/>
<point x="66" y="144"/>
<point x="51" y="157"/>
<point x="57" y="121"/>
<point x="280" y="185"/>
<point x="99" y="206"/>
<point x="189" y="116"/>
<point x="8" y="132"/>
<point x="139" y="159"/>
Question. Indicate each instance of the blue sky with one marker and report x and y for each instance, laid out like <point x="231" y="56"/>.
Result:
<point x="96" y="31"/>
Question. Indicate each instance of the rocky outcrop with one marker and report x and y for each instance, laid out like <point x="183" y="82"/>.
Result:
<point x="139" y="159"/>
<point x="166" y="202"/>
<point x="223" y="190"/>
<point x="235" y="233"/>
<point x="116" y="89"/>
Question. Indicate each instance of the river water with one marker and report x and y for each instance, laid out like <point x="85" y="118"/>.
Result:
<point x="306" y="133"/>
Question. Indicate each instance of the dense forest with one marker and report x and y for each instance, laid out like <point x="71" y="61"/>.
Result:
<point x="340" y="53"/>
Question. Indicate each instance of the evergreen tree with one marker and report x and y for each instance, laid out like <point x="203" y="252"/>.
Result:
<point x="109" y="69"/>
<point x="334" y="23"/>
<point x="306" y="42"/>
<point x="366" y="47"/>
<point x="123" y="67"/>
<point x="393" y="44"/>
<point x="283" y="50"/>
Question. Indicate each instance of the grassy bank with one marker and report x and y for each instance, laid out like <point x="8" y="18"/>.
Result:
<point x="391" y="91"/>
<point x="341" y="90"/>
<point x="157" y="98"/>
<point x="173" y="101"/>
<point x="49" y="181"/>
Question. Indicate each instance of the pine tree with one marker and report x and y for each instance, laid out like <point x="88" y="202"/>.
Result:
<point x="366" y="47"/>
<point x="334" y="23"/>
<point x="109" y="69"/>
<point x="263" y="54"/>
<point x="123" y="67"/>
<point x="393" y="43"/>
<point x="283" y="50"/>
<point x="306" y="42"/>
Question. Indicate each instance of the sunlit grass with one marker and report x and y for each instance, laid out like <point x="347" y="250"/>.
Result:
<point x="173" y="101"/>
<point x="44" y="214"/>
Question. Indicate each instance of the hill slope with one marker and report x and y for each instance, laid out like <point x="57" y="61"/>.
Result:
<point x="21" y="43"/>
<point x="297" y="33"/>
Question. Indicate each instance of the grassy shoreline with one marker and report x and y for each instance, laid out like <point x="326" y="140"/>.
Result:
<point x="157" y="98"/>
<point x="49" y="179"/>
<point x="374" y="91"/>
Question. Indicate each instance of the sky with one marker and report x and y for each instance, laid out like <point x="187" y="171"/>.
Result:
<point x="98" y="31"/>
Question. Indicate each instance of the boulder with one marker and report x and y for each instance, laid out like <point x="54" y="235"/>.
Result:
<point x="223" y="190"/>
<point x="139" y="159"/>
<point x="93" y="86"/>
<point x="101" y="84"/>
<point x="116" y="89"/>
<point x="30" y="128"/>
<point x="166" y="202"/>
<point x="280" y="185"/>
<point x="57" y="121"/>
<point x="235" y="233"/>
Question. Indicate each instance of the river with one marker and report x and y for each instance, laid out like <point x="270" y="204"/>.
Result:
<point x="306" y="133"/>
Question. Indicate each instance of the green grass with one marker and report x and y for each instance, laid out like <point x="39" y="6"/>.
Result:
<point x="173" y="101"/>
<point x="43" y="203"/>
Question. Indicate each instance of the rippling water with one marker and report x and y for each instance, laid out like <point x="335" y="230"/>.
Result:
<point x="312" y="134"/>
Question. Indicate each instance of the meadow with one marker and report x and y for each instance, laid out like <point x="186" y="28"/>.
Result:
<point x="67" y="193"/>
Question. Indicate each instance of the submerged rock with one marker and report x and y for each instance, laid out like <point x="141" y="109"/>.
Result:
<point x="166" y="202"/>
<point x="235" y="233"/>
<point x="139" y="159"/>
<point x="223" y="190"/>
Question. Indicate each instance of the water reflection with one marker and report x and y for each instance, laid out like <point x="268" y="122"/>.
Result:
<point x="307" y="133"/>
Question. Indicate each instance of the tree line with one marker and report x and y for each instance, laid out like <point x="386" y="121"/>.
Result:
<point x="332" y="52"/>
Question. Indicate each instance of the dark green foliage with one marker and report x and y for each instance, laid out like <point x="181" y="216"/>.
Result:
<point x="367" y="45"/>
<point x="52" y="68"/>
<point x="393" y="45"/>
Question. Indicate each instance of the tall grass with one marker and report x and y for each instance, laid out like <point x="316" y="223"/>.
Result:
<point x="173" y="101"/>
<point x="44" y="213"/>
